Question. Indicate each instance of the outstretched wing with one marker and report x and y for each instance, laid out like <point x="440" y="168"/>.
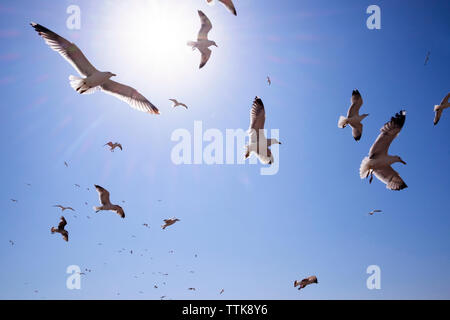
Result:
<point x="130" y="96"/>
<point x="388" y="133"/>
<point x="257" y="119"/>
<point x="357" y="131"/>
<point x="445" y="100"/>
<point x="206" y="26"/>
<point x="390" y="177"/>
<point x="103" y="195"/>
<point x="437" y="116"/>
<point x="62" y="223"/>
<point x="66" y="49"/>
<point x="206" y="53"/>
<point x="229" y="5"/>
<point x="357" y="102"/>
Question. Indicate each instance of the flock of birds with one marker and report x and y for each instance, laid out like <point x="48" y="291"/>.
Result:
<point x="378" y="162"/>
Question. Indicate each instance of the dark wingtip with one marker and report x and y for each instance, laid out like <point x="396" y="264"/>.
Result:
<point x="357" y="138"/>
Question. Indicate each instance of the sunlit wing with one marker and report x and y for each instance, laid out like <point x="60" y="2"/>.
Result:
<point x="103" y="195"/>
<point x="390" y="177"/>
<point x="388" y="133"/>
<point x="66" y="49"/>
<point x="257" y="119"/>
<point x="206" y="53"/>
<point x="206" y="26"/>
<point x="357" y="102"/>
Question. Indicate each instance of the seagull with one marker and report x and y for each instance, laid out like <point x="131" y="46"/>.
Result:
<point x="12" y="242"/>
<point x="176" y="103"/>
<point x="14" y="200"/>
<point x="63" y="208"/>
<point x="146" y="225"/>
<point x="305" y="282"/>
<point x="77" y="185"/>
<point x="61" y="229"/>
<point x="221" y="291"/>
<point x="155" y="286"/>
<point x="65" y="163"/>
<point x="203" y="43"/>
<point x="353" y="118"/>
<point x="192" y="289"/>
<point x="94" y="80"/>
<point x="106" y="204"/>
<point x="427" y="58"/>
<point x="169" y="222"/>
<point x="259" y="144"/>
<point x="114" y="145"/>
<point x="269" y="81"/>
<point x="373" y="211"/>
<point x="439" y="108"/>
<point x="379" y="162"/>
<point x="227" y="3"/>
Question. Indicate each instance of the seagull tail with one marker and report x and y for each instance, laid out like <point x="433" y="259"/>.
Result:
<point x="364" y="168"/>
<point x="52" y="230"/>
<point x="79" y="85"/>
<point x="342" y="122"/>
<point x="191" y="44"/>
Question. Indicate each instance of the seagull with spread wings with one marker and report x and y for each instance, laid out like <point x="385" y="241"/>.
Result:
<point x="93" y="79"/>
<point x="106" y="204"/>
<point x="63" y="208"/>
<point x="374" y="211"/>
<point x="353" y="118"/>
<point x="269" y="81"/>
<point x="227" y="3"/>
<point x="379" y="162"/>
<point x="114" y="145"/>
<point x="439" y="108"/>
<point x="176" y="103"/>
<point x="259" y="144"/>
<point x="305" y="282"/>
<point x="169" y="222"/>
<point x="202" y="43"/>
<point x="61" y="230"/>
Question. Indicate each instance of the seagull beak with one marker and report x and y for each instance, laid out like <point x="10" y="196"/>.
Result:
<point x="114" y="75"/>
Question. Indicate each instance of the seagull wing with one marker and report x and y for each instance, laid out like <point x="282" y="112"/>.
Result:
<point x="437" y="116"/>
<point x="445" y="100"/>
<point x="388" y="133"/>
<point x="66" y="49"/>
<point x="206" y="53"/>
<point x="62" y="223"/>
<point x="357" y="131"/>
<point x="357" y="102"/>
<point x="174" y="101"/>
<point x="257" y="119"/>
<point x="103" y="195"/>
<point x="229" y="5"/>
<point x="390" y="177"/>
<point x="130" y="96"/>
<point x="205" y="28"/>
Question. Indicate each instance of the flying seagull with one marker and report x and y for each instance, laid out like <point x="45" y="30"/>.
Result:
<point x="305" y="282"/>
<point x="259" y="144"/>
<point x="203" y="43"/>
<point x="373" y="211"/>
<point x="269" y="81"/>
<point x="65" y="163"/>
<point x="379" y="162"/>
<point x="106" y="204"/>
<point x="61" y="229"/>
<point x="94" y="80"/>
<point x="12" y="242"/>
<point x="114" y="145"/>
<point x="176" y="103"/>
<point x="169" y="222"/>
<point x="439" y="108"/>
<point x="192" y="289"/>
<point x="353" y="118"/>
<point x="227" y="3"/>
<point x="77" y="185"/>
<point x="221" y="291"/>
<point x="14" y="200"/>
<point x="427" y="58"/>
<point x="63" y="208"/>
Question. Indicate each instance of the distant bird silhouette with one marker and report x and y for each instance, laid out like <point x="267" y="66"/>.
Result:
<point x="106" y="204"/>
<point x="305" y="282"/>
<point x="65" y="163"/>
<point x="12" y="242"/>
<point x="269" y="81"/>
<point x="202" y="43"/>
<point x="427" y="58"/>
<point x="114" y="145"/>
<point x="63" y="208"/>
<point x="221" y="291"/>
<point x="176" y="103"/>
<point x="61" y="229"/>
<point x="192" y="289"/>
<point x="373" y="211"/>
<point x="14" y="200"/>
<point x="77" y="185"/>
<point x="169" y="222"/>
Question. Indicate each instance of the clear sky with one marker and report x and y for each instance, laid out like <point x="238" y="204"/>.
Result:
<point x="253" y="234"/>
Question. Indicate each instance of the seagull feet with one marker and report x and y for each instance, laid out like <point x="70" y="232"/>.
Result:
<point x="371" y="177"/>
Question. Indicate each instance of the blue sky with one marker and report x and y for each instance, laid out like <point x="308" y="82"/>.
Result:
<point x="253" y="234"/>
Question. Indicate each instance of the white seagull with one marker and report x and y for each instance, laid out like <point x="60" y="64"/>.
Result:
<point x="63" y="208"/>
<point x="353" y="118"/>
<point x="106" y="204"/>
<point x="439" y="108"/>
<point x="176" y="103"/>
<point x="227" y="3"/>
<point x="202" y="43"/>
<point x="94" y="80"/>
<point x="379" y="162"/>
<point x="259" y="144"/>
